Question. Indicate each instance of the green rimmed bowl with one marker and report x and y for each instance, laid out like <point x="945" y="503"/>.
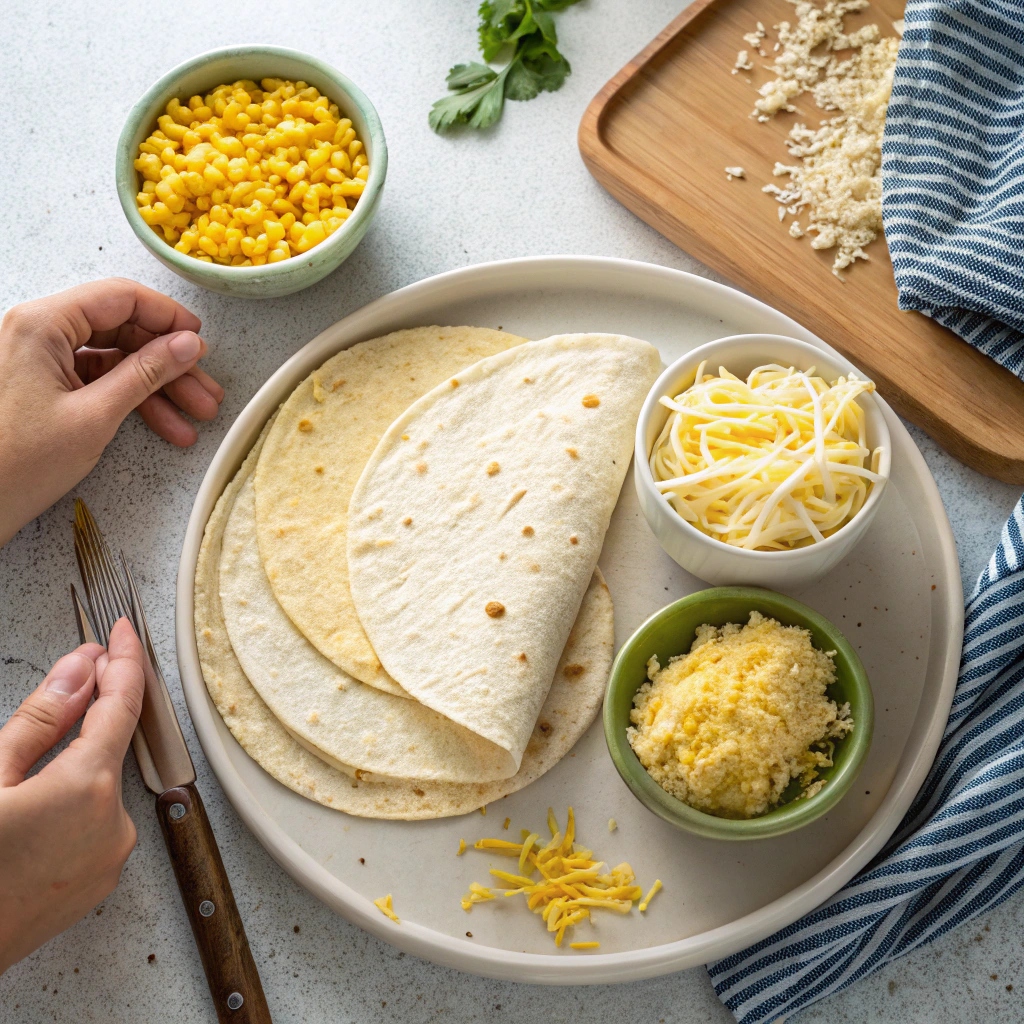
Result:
<point x="205" y="72"/>
<point x="670" y="632"/>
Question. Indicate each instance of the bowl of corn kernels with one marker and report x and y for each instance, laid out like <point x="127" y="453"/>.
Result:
<point x="252" y="170"/>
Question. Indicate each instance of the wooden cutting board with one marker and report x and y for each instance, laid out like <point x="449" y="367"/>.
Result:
<point x="659" y="136"/>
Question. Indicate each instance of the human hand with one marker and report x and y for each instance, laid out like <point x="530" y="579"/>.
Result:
<point x="64" y="833"/>
<point x="72" y="366"/>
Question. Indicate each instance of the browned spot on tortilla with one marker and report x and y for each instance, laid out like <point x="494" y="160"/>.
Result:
<point x="502" y="557"/>
<point x="573" y="539"/>
<point x="535" y="567"/>
<point x="522" y="656"/>
<point x="454" y="382"/>
<point x="527" y="380"/>
<point x="318" y="469"/>
<point x="407" y="521"/>
<point x="573" y="454"/>
<point x="337" y="384"/>
<point x="493" y="468"/>
<point x="419" y="792"/>
<point x="495" y="609"/>
<point x="545" y="727"/>
<point x="232" y="708"/>
<point x="405" y="437"/>
<point x="573" y="670"/>
<point x="528" y="531"/>
<point x="361" y="774"/>
<point x="280" y="531"/>
<point x="591" y="401"/>
<point x="421" y="467"/>
<point x="305" y="426"/>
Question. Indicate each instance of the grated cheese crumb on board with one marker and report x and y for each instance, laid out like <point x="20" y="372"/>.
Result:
<point x="612" y="824"/>
<point x="727" y="727"/>
<point x="462" y="848"/>
<point x="734" y="172"/>
<point x="562" y="882"/>
<point x="742" y="63"/>
<point x="837" y="177"/>
<point x="384" y="905"/>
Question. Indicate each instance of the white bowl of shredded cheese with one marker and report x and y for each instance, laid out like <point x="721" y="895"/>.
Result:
<point x="769" y="468"/>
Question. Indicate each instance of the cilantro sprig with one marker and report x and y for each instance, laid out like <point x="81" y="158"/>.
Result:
<point x="525" y="31"/>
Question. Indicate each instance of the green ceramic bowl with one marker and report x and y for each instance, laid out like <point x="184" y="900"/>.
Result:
<point x="670" y="632"/>
<point x="254" y="62"/>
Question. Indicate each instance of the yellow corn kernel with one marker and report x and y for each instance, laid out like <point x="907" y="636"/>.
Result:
<point x="265" y="195"/>
<point x="216" y="232"/>
<point x="187" y="242"/>
<point x="342" y="130"/>
<point x="355" y="147"/>
<point x="360" y="161"/>
<point x="251" y="214"/>
<point x="351" y="188"/>
<point x="363" y="174"/>
<point x="208" y="245"/>
<point x="275" y="232"/>
<point x="276" y="255"/>
<point x="203" y="202"/>
<point x="171" y="128"/>
<point x="314" y="234"/>
<point x="144" y="198"/>
<point x="318" y="157"/>
<point x="148" y="165"/>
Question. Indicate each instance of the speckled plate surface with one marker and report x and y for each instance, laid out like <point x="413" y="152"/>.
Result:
<point x="897" y="598"/>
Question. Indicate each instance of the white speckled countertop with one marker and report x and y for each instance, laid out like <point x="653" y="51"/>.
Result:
<point x="73" y="70"/>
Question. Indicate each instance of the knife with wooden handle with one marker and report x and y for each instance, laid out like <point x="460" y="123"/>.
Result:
<point x="167" y="770"/>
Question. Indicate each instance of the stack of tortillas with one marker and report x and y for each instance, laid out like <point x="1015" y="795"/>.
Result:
<point x="398" y="607"/>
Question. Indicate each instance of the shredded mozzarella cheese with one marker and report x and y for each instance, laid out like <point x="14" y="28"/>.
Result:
<point x="776" y="462"/>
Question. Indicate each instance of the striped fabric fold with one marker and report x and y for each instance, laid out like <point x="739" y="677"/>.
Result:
<point x="953" y="171"/>
<point x="958" y="852"/>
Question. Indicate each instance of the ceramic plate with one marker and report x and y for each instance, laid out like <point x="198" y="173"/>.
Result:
<point x="897" y="598"/>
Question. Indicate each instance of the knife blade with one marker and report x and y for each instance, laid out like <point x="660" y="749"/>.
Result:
<point x="168" y="771"/>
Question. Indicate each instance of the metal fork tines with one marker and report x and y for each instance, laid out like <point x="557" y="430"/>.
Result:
<point x="110" y="594"/>
<point x="105" y="592"/>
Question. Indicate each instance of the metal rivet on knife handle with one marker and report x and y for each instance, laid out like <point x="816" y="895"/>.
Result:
<point x="235" y="1001"/>
<point x="177" y="811"/>
<point x="206" y="908"/>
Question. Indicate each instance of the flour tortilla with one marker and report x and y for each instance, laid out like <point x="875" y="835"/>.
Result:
<point x="320" y="704"/>
<point x="476" y="525"/>
<point x="573" y="701"/>
<point x="312" y="458"/>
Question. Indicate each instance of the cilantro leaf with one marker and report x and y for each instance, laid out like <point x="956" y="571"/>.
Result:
<point x="466" y="76"/>
<point x="525" y="30"/>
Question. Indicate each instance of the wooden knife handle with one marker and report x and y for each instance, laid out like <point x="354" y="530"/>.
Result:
<point x="206" y="892"/>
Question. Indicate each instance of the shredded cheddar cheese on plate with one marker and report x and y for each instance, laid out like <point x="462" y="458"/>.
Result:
<point x="561" y="882"/>
<point x="385" y="906"/>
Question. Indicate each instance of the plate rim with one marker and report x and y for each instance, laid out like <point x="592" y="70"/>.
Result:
<point x="490" y="961"/>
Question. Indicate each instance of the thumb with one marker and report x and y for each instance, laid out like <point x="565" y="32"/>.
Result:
<point x="47" y="714"/>
<point x="139" y="375"/>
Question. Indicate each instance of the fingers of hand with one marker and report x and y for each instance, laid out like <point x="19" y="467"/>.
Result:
<point x="101" y="307"/>
<point x="110" y="722"/>
<point x="137" y="376"/>
<point x="47" y="714"/>
<point x="164" y="419"/>
<point x="188" y="393"/>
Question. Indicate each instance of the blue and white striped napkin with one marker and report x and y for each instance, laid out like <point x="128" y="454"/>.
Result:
<point x="958" y="852"/>
<point x="953" y="206"/>
<point x="953" y="171"/>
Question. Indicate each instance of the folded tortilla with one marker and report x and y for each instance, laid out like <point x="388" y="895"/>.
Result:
<point x="573" y="701"/>
<point x="476" y="525"/>
<point x="312" y="458"/>
<point x="320" y="704"/>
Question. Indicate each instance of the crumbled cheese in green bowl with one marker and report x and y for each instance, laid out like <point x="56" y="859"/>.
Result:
<point x="668" y="723"/>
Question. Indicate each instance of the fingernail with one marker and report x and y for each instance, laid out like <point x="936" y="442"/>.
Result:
<point x="70" y="674"/>
<point x="185" y="346"/>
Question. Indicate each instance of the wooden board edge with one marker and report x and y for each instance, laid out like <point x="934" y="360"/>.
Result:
<point x="973" y="451"/>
